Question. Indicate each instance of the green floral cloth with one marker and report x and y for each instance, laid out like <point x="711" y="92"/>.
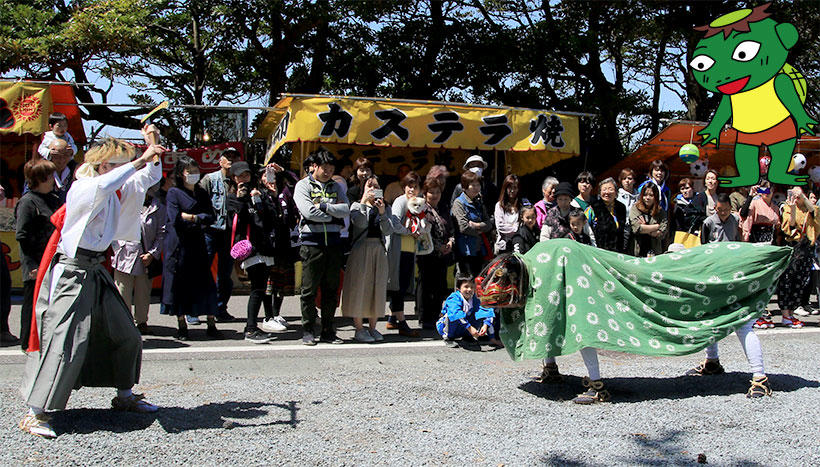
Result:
<point x="671" y="304"/>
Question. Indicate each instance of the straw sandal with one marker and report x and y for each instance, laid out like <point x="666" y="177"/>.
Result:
<point x="759" y="388"/>
<point x="595" y="393"/>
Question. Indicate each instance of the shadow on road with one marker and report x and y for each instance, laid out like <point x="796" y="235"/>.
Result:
<point x="681" y="387"/>
<point x="667" y="448"/>
<point x="217" y="415"/>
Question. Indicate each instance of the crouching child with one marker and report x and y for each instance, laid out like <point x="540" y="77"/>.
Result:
<point x="463" y="316"/>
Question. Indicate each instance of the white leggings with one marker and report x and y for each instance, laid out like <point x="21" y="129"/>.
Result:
<point x="590" y="356"/>
<point x="751" y="347"/>
<point x="748" y="341"/>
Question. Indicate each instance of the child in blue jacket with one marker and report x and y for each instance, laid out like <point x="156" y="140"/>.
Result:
<point x="463" y="316"/>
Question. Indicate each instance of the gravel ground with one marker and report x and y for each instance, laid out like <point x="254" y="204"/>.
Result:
<point x="425" y="404"/>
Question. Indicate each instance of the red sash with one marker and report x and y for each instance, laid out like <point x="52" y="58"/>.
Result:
<point x="58" y="219"/>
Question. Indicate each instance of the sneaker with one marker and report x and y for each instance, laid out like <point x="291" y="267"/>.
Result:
<point x="708" y="367"/>
<point x="800" y="311"/>
<point x="331" y="339"/>
<point x="133" y="403"/>
<point x="376" y="335"/>
<point x="271" y="325"/>
<point x="595" y="393"/>
<point x="257" y="337"/>
<point x="307" y="339"/>
<point x="224" y="317"/>
<point x="392" y="324"/>
<point x="279" y="319"/>
<point x="37" y="425"/>
<point x="214" y="333"/>
<point x="363" y="336"/>
<point x="763" y="323"/>
<point x="792" y="322"/>
<point x="815" y="311"/>
<point x="193" y="320"/>
<point x="759" y="388"/>
<point x="450" y="343"/>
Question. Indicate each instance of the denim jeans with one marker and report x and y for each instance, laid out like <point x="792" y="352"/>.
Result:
<point x="218" y="242"/>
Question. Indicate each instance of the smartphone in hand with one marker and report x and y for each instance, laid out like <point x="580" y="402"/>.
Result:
<point x="378" y="194"/>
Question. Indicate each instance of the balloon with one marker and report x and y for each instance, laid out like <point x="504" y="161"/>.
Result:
<point x="814" y="173"/>
<point x="797" y="163"/>
<point x="689" y="153"/>
<point x="699" y="167"/>
<point x="764" y="164"/>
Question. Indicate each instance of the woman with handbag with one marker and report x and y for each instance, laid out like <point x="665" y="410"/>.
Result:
<point x="364" y="298"/>
<point x="259" y="231"/>
<point x="188" y="287"/>
<point x="689" y="212"/>
<point x="431" y="289"/>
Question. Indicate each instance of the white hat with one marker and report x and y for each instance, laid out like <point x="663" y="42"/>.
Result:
<point x="474" y="158"/>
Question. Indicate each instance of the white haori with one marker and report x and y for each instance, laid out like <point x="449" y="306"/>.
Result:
<point x="94" y="210"/>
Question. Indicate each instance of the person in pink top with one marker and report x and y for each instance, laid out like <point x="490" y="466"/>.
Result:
<point x="541" y="207"/>
<point x="760" y="220"/>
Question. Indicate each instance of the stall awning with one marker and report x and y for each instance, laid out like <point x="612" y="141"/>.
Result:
<point x="666" y="144"/>
<point x="25" y="107"/>
<point x="534" y="139"/>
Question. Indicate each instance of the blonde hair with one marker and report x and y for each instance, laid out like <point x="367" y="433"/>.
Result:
<point x="107" y="149"/>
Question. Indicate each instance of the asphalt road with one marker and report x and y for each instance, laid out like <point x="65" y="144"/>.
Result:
<point x="412" y="402"/>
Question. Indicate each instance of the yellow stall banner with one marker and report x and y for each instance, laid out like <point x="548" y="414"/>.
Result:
<point x="24" y="108"/>
<point x="538" y="138"/>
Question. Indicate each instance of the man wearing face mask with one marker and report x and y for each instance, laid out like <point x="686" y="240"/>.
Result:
<point x="489" y="192"/>
<point x="218" y="235"/>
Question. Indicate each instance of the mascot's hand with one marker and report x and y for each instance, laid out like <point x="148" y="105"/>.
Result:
<point x="710" y="134"/>
<point x="806" y="124"/>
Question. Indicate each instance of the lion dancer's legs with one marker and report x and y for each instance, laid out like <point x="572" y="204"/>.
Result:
<point x="750" y="344"/>
<point x="595" y="387"/>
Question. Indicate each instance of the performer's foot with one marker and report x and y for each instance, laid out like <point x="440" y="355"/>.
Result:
<point x="182" y="333"/>
<point x="708" y="367"/>
<point x="37" y="425"/>
<point x="759" y="388"/>
<point x="595" y="393"/>
<point x="496" y="344"/>
<point x="133" y="403"/>
<point x="450" y="343"/>
<point x="550" y="374"/>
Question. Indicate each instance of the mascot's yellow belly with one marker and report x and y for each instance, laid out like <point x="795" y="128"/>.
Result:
<point x="757" y="109"/>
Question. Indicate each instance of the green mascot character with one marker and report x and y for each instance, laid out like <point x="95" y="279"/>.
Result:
<point x="743" y="56"/>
